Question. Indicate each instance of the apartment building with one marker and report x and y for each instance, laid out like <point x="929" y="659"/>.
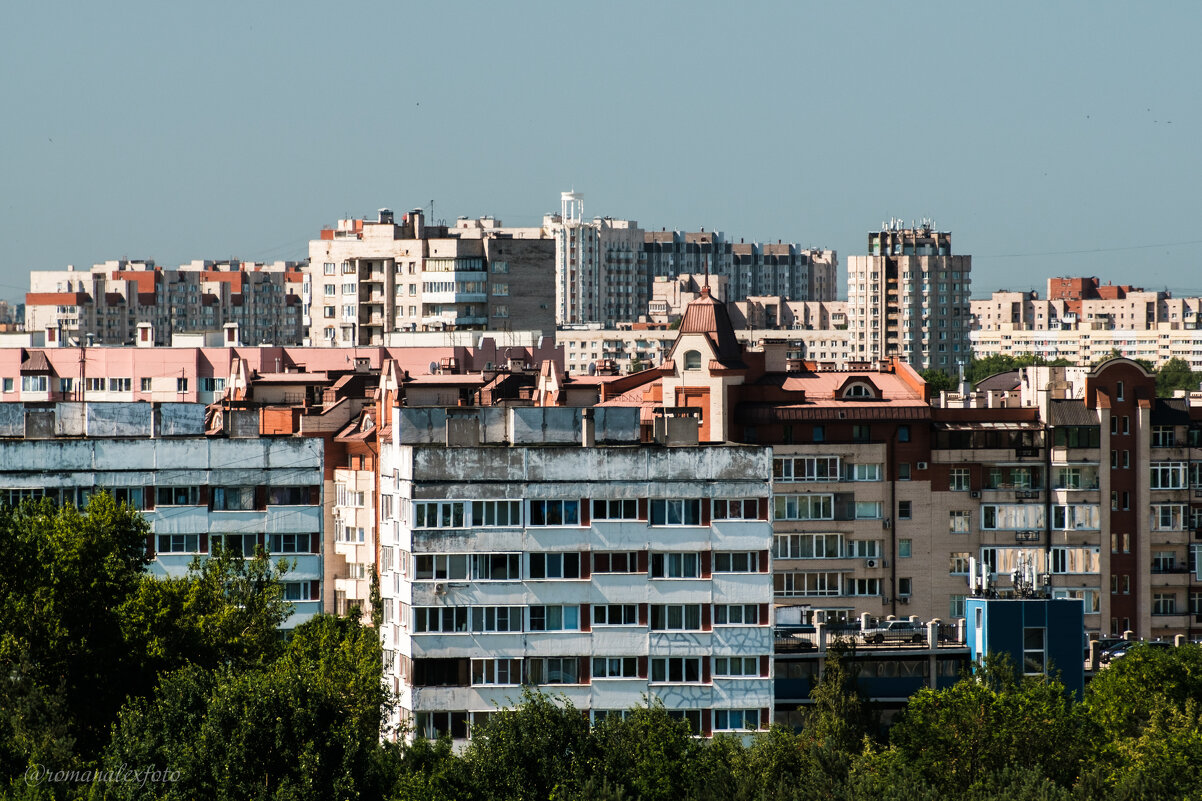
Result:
<point x="547" y="546"/>
<point x="1083" y="321"/>
<point x="115" y="300"/>
<point x="198" y="490"/>
<point x="369" y="279"/>
<point x="908" y="298"/>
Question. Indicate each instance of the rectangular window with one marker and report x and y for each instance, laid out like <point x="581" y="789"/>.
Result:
<point x="1168" y="475"/>
<point x="736" y="719"/>
<point x="229" y="499"/>
<point x="861" y="433"/>
<point x="1164" y="603"/>
<point x="553" y="670"/>
<point x="555" y="513"/>
<point x="500" y="310"/>
<point x="615" y="615"/>
<point x="34" y="383"/>
<point x="737" y="509"/>
<point x="866" y="472"/>
<point x="905" y="549"/>
<point x="736" y="562"/>
<point x="798" y="583"/>
<point x="1033" y="651"/>
<point x="905" y="586"/>
<point x="177" y="496"/>
<point x="1168" y="517"/>
<point x="497" y="619"/>
<point x="808" y="546"/>
<point x="806" y="468"/>
<point x="500" y="290"/>
<point x="179" y="543"/>
<point x="120" y="384"/>
<point x="804" y="507"/>
<point x="496" y="672"/>
<point x="616" y="562"/>
<point x="736" y="615"/>
<point x="958" y="479"/>
<point x="736" y="666"/>
<point x="440" y="567"/>
<point x="958" y="564"/>
<point x="676" y="669"/>
<point x="675" y="565"/>
<point x="863" y="586"/>
<point x="615" y="667"/>
<point x="554" y="566"/>
<point x="287" y="496"/>
<point x="868" y="510"/>
<point x="904" y="510"/>
<point x="615" y="510"/>
<point x="496" y="567"/>
<point x="956" y="605"/>
<point x="497" y="514"/>
<point x="438" y="514"/>
<point x="554" y="618"/>
<point x="676" y="617"/>
<point x="289" y="543"/>
<point x="234" y="544"/>
<point x="676" y="512"/>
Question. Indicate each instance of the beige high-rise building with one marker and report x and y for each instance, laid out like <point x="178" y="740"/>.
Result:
<point x="909" y="298"/>
<point x="369" y="279"/>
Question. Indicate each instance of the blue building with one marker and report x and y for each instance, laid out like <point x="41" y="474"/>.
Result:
<point x="1043" y="636"/>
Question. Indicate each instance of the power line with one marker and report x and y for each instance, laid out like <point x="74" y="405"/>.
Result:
<point x="1090" y="250"/>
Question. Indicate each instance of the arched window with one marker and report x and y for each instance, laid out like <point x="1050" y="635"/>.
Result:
<point x="857" y="391"/>
<point x="692" y="360"/>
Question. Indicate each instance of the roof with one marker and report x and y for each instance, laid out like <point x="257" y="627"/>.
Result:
<point x="1000" y="382"/>
<point x="707" y="316"/>
<point x="36" y="362"/>
<point x="57" y="298"/>
<point x="1071" y="413"/>
<point x="1170" y="412"/>
<point x="821" y="388"/>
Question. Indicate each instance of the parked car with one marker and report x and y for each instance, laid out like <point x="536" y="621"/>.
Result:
<point x="1103" y="644"/>
<point x="896" y="631"/>
<point x="1123" y="648"/>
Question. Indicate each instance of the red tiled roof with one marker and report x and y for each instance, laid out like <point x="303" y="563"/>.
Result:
<point x="57" y="298"/>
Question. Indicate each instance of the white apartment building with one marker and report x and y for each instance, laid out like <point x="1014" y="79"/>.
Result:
<point x="598" y="275"/>
<point x="909" y="298"/>
<point x="369" y="279"/>
<point x="546" y="546"/>
<point x="197" y="491"/>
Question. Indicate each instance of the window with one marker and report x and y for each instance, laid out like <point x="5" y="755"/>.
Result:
<point x="866" y="472"/>
<point x="234" y="544"/>
<point x="437" y="514"/>
<point x="903" y="433"/>
<point x="296" y="590"/>
<point x="177" y="496"/>
<point x="555" y="513"/>
<point x="441" y="567"/>
<point x="737" y="509"/>
<point x="500" y="266"/>
<point x="676" y="617"/>
<point x="615" y="615"/>
<point x="433" y="725"/>
<point x="676" y="512"/>
<point x="863" y="586"/>
<point x="287" y="496"/>
<point x="212" y="384"/>
<point x="1033" y="651"/>
<point x="736" y="615"/>
<point x="808" y="546"/>
<point x="181" y="385"/>
<point x="904" y="586"/>
<point x="1163" y="562"/>
<point x="553" y="670"/>
<point x="736" y="719"/>
<point x="120" y="384"/>
<point x="348" y="268"/>
<point x="500" y="310"/>
<point x="1163" y="437"/>
<point x="230" y="499"/>
<point x="675" y="565"/>
<point x="903" y="471"/>
<point x="500" y="290"/>
<point x="554" y="566"/>
<point x="904" y="510"/>
<point x="330" y="290"/>
<point x="1164" y="603"/>
<point x="9" y="383"/>
<point x="1012" y="517"/>
<point x="806" y="468"/>
<point x="692" y="360"/>
<point x="66" y="385"/>
<point x="736" y="562"/>
<point x="802" y="584"/>
<point x="804" y="507"/>
<point x="956" y="605"/>
<point x="615" y="667"/>
<point x="179" y="543"/>
<point x="554" y="618"/>
<point x="1119" y="391"/>
<point x="1168" y="517"/>
<point x="327" y="268"/>
<point x="958" y="563"/>
<point x="496" y="618"/>
<point x="868" y="510"/>
<point x="615" y="510"/>
<point x="861" y="433"/>
<point x="496" y="567"/>
<point x="616" y="562"/>
<point x="289" y="543"/>
<point x="499" y="514"/>
<point x="676" y="669"/>
<point x="726" y="666"/>
<point x="818" y="433"/>
<point x="90" y="384"/>
<point x="1168" y="475"/>
<point x="34" y="383"/>
<point x="905" y="549"/>
<point x="958" y="479"/>
<point x="690" y="716"/>
<point x="496" y="671"/>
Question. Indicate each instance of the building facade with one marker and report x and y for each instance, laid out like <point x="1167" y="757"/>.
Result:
<point x="908" y="298"/>
<point x="369" y="279"/>
<point x="548" y="547"/>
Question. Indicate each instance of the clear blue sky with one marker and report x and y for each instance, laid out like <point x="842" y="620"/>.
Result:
<point x="177" y="131"/>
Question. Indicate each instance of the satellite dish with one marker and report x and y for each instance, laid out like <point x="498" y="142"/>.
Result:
<point x="592" y="368"/>
<point x="433" y="368"/>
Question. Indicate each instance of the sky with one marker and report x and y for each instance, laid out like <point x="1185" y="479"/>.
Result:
<point x="1049" y="138"/>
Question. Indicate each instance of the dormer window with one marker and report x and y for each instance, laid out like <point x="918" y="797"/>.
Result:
<point x="692" y="360"/>
<point x="858" y="391"/>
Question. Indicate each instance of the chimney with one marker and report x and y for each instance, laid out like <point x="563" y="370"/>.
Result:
<point x="145" y="336"/>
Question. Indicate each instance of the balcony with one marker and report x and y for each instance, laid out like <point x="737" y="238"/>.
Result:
<point x="454" y="297"/>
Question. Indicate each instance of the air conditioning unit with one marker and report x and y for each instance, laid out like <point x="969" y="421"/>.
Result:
<point x="871" y="562"/>
<point x="903" y="599"/>
<point x="887" y="522"/>
<point x="920" y="466"/>
<point x="974" y="494"/>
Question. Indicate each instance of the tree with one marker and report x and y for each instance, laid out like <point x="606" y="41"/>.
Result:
<point x="647" y="753"/>
<point x="938" y="381"/>
<point x="837" y="720"/>
<point x="1176" y="374"/>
